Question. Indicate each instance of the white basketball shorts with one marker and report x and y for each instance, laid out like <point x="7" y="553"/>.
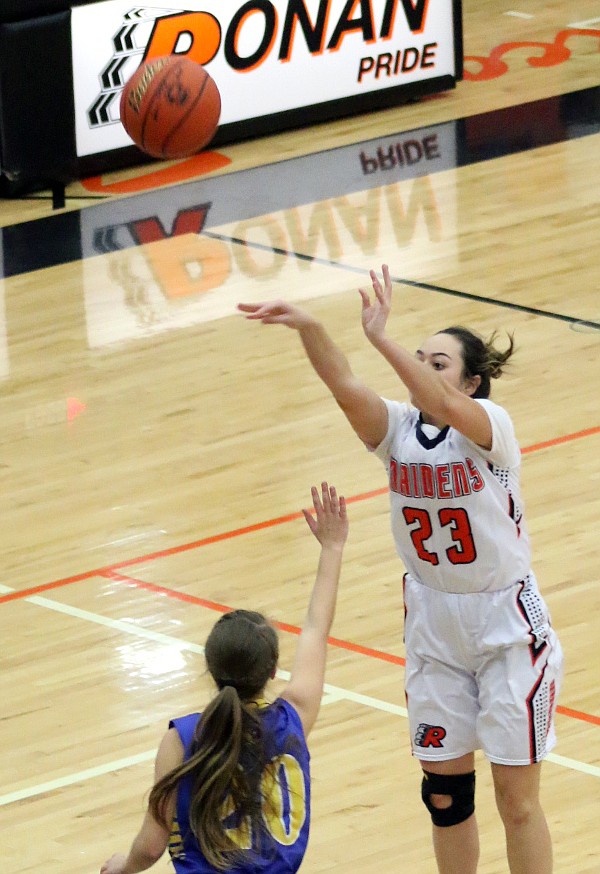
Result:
<point x="483" y="671"/>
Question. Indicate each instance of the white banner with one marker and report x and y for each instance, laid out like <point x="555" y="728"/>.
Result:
<point x="266" y="56"/>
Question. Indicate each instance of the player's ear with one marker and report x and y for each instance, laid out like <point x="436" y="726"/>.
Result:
<point x="472" y="384"/>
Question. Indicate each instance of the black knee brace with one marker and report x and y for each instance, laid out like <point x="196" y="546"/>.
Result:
<point x="460" y="788"/>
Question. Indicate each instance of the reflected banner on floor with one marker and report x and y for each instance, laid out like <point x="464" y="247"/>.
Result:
<point x="114" y="224"/>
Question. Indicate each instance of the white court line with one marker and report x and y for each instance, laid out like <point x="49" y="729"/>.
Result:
<point x="519" y="14"/>
<point x="331" y="695"/>
<point x="573" y="764"/>
<point x="584" y="23"/>
<point x="79" y="777"/>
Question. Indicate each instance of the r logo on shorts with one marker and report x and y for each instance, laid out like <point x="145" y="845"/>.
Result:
<point x="429" y="735"/>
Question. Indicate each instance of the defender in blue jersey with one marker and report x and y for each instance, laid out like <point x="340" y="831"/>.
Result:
<point x="232" y="787"/>
<point x="280" y="844"/>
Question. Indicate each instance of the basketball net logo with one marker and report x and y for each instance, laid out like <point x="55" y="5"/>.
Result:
<point x="145" y="33"/>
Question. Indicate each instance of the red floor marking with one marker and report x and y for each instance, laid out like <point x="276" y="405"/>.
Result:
<point x="259" y="526"/>
<point x="578" y="714"/>
<point x="237" y="532"/>
<point x="110" y="571"/>
<point x="173" y="550"/>
<point x="44" y="587"/>
<point x="556" y="441"/>
<point x="163" y="553"/>
<point x="205" y="162"/>
<point x="170" y="593"/>
<point x="294" y="629"/>
<point x="492" y="66"/>
<point x="223" y="608"/>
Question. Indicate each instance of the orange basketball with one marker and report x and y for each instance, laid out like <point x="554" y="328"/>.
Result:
<point x="170" y="107"/>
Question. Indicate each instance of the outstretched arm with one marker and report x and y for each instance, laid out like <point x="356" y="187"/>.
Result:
<point x="430" y="393"/>
<point x="330" y="526"/>
<point x="152" y="838"/>
<point x="364" y="409"/>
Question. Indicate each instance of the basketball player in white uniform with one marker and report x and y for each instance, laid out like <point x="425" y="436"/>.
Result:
<point x="483" y="664"/>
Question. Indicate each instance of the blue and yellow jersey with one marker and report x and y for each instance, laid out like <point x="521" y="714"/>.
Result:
<point x="285" y="793"/>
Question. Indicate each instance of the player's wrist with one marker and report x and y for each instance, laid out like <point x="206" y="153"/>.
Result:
<point x="333" y="546"/>
<point x="307" y="323"/>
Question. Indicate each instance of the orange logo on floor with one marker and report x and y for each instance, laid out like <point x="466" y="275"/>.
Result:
<point x="198" y="165"/>
<point x="552" y="54"/>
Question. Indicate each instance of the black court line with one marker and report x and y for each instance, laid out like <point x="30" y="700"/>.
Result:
<point x="67" y="197"/>
<point x="413" y="283"/>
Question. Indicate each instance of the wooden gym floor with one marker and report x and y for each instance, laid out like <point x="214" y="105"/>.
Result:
<point x="157" y="448"/>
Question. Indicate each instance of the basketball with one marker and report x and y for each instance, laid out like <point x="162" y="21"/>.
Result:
<point x="170" y="107"/>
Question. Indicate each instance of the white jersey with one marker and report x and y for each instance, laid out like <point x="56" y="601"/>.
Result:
<point x="457" y="513"/>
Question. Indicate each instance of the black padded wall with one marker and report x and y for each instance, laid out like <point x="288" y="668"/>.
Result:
<point x="18" y="10"/>
<point x="37" y="117"/>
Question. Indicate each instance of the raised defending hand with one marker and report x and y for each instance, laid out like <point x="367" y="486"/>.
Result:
<point x="276" y="312"/>
<point x="375" y="314"/>
<point x="330" y="522"/>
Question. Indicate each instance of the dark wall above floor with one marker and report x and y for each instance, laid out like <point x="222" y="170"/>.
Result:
<point x="17" y="10"/>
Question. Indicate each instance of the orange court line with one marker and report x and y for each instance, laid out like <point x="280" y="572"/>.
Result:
<point x="294" y="629"/>
<point x="566" y="438"/>
<point x="237" y="532"/>
<point x="173" y="550"/>
<point x="152" y="556"/>
<point x="578" y="714"/>
<point x="110" y="570"/>
<point x="222" y="608"/>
